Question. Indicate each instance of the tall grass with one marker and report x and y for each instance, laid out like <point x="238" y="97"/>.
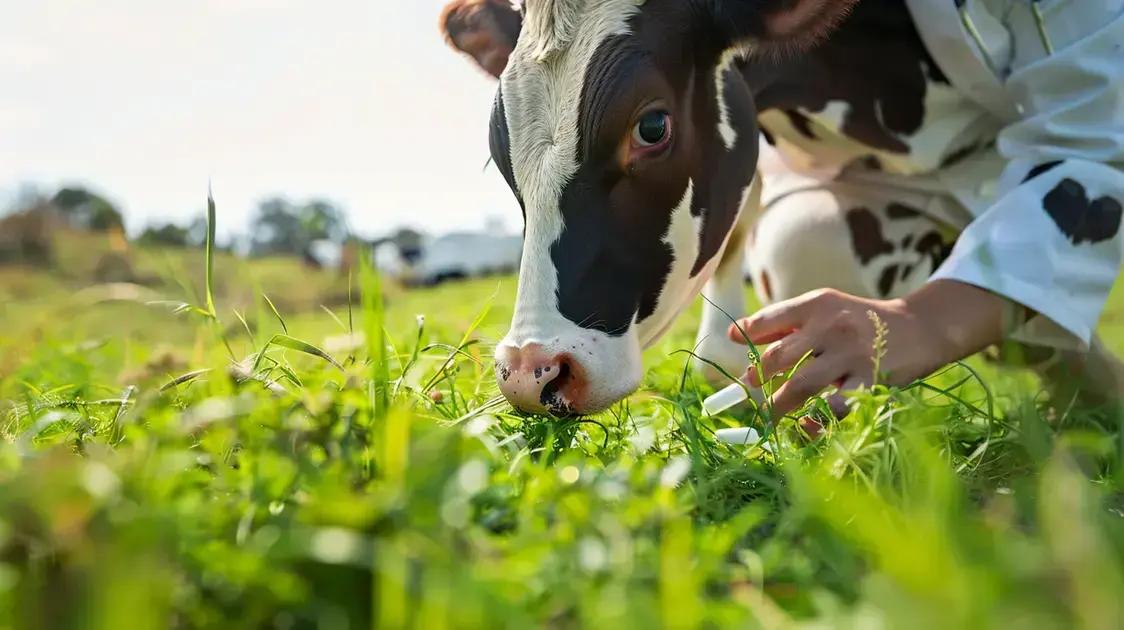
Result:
<point x="283" y="485"/>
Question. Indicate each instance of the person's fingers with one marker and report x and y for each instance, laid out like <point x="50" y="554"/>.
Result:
<point x="779" y="320"/>
<point x="784" y="355"/>
<point x="837" y="401"/>
<point x="809" y="381"/>
<point x="737" y="333"/>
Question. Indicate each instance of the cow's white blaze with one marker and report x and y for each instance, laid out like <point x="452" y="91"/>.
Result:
<point x="542" y="90"/>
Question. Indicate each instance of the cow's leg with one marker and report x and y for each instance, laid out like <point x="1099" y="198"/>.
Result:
<point x="865" y="242"/>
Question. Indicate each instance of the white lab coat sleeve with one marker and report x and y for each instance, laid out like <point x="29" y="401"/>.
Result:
<point x="1052" y="241"/>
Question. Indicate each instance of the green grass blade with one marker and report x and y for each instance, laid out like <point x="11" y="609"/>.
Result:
<point x="184" y="379"/>
<point x="276" y="313"/>
<point x="210" y="256"/>
<point x="291" y="343"/>
<point x="374" y="319"/>
<point x="334" y="317"/>
<point x="245" y="326"/>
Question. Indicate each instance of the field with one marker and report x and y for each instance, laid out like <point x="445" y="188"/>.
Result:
<point x="355" y="468"/>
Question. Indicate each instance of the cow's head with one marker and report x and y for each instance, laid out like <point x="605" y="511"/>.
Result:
<point x="628" y="134"/>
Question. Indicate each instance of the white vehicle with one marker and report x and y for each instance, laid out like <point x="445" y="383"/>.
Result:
<point x="468" y="255"/>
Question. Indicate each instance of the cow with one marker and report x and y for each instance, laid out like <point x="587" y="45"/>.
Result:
<point x="628" y="132"/>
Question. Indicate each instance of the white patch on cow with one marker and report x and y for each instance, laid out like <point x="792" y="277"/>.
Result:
<point x="551" y="25"/>
<point x="726" y="129"/>
<point x="542" y="100"/>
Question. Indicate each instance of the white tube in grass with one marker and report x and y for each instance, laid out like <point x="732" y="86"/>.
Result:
<point x="742" y="436"/>
<point x="731" y="397"/>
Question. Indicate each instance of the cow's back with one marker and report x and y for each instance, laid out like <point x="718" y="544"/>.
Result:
<point x="871" y="95"/>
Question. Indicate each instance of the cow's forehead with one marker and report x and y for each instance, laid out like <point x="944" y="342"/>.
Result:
<point x="543" y="85"/>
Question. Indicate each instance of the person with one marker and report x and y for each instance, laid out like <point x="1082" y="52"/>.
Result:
<point x="1011" y="187"/>
<point x="994" y="221"/>
<point x="485" y="30"/>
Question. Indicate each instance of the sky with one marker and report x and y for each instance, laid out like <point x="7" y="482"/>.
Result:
<point x="356" y="101"/>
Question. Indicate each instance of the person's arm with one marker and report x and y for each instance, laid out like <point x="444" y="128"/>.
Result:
<point x="1052" y="240"/>
<point x="1050" y="247"/>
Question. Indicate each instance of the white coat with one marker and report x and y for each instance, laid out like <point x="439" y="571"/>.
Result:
<point x="1052" y="71"/>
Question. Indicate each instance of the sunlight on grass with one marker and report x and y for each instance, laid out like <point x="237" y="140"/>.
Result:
<point x="257" y="462"/>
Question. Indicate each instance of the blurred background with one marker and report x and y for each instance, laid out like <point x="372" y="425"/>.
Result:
<point x="319" y="128"/>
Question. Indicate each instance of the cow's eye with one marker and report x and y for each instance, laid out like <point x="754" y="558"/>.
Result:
<point x="652" y="130"/>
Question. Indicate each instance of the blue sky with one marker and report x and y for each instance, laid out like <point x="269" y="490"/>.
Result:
<point x="358" y="101"/>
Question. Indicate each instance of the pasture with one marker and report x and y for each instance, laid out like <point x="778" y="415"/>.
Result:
<point x="358" y="469"/>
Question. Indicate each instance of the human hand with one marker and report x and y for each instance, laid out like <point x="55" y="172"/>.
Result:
<point x="835" y="333"/>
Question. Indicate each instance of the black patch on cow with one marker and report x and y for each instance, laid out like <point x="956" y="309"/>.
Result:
<point x="933" y="245"/>
<point x="875" y="62"/>
<point x="866" y="235"/>
<point x="907" y="271"/>
<point x="768" y="137"/>
<point x="1041" y="169"/>
<point x="1082" y="220"/>
<point x="886" y="280"/>
<point x="907" y="241"/>
<point x="721" y="175"/>
<point x="801" y="123"/>
<point x="901" y="211"/>
<point x="499" y="141"/>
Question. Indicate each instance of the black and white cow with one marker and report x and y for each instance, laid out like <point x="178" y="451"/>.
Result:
<point x="628" y="131"/>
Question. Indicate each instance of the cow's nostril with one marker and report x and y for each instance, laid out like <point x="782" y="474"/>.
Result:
<point x="535" y="380"/>
<point x="550" y="397"/>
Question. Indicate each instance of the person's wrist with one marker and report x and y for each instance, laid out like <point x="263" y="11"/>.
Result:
<point x="959" y="319"/>
<point x="928" y="345"/>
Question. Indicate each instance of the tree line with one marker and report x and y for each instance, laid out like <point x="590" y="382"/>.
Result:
<point x="278" y="226"/>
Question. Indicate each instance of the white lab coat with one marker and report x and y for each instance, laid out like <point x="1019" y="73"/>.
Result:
<point x="1057" y="88"/>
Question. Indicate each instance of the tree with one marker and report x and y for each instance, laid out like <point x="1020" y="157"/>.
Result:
<point x="167" y="235"/>
<point x="194" y="234"/>
<point x="323" y="221"/>
<point x="281" y="227"/>
<point x="86" y="210"/>
<point x="276" y="229"/>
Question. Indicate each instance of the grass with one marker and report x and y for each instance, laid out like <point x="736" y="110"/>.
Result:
<point x="355" y="468"/>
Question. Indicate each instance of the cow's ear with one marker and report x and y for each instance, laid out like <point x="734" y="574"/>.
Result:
<point x="504" y="17"/>
<point x="509" y="19"/>
<point x="498" y="21"/>
<point x="777" y="25"/>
